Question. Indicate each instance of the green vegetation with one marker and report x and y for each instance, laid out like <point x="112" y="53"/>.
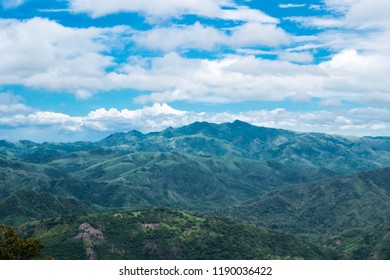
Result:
<point x="166" y="234"/>
<point x="299" y="185"/>
<point x="14" y="248"/>
<point x="341" y="212"/>
<point x="364" y="243"/>
<point x="24" y="205"/>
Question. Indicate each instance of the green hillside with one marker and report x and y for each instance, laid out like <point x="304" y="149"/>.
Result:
<point x="148" y="179"/>
<point x="25" y="205"/>
<point x="324" y="208"/>
<point x="165" y="234"/>
<point x="364" y="243"/>
<point x="347" y="213"/>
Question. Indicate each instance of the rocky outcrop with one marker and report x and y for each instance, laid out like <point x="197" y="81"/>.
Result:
<point x="91" y="236"/>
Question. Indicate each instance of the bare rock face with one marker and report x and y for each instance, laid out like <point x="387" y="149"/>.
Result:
<point x="91" y="254"/>
<point x="91" y="236"/>
<point x="151" y="226"/>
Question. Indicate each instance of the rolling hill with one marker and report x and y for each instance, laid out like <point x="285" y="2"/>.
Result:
<point x="324" y="208"/>
<point x="348" y="213"/>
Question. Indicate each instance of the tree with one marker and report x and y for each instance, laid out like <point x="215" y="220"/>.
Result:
<point x="14" y="248"/>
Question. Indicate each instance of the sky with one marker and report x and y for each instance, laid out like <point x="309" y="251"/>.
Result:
<point x="75" y="70"/>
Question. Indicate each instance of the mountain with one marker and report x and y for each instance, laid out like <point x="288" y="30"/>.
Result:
<point x="329" y="189"/>
<point x="238" y="139"/>
<point x="165" y="234"/>
<point x="202" y="166"/>
<point x="336" y="153"/>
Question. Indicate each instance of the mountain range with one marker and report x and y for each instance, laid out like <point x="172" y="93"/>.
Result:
<point x="304" y="185"/>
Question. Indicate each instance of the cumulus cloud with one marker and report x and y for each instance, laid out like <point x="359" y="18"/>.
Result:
<point x="44" y="54"/>
<point x="101" y="122"/>
<point x="195" y="36"/>
<point x="201" y="37"/>
<point x="359" y="14"/>
<point x="155" y="9"/>
<point x="11" y="104"/>
<point x="349" y="75"/>
<point x="258" y="34"/>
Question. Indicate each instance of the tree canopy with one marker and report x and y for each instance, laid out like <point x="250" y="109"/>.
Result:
<point x="12" y="247"/>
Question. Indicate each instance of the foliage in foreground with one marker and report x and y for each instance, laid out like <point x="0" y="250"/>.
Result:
<point x="14" y="248"/>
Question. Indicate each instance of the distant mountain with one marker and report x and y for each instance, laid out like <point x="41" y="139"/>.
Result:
<point x="165" y="234"/>
<point x="240" y="139"/>
<point x="40" y="153"/>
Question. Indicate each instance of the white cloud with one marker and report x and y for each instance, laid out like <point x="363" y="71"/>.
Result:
<point x="169" y="8"/>
<point x="315" y="7"/>
<point x="233" y="78"/>
<point x="258" y="34"/>
<point x="246" y="14"/>
<point x="287" y="6"/>
<point x="369" y="13"/>
<point x="300" y="57"/>
<point x="11" y="104"/>
<point x="361" y="14"/>
<point x="7" y="4"/>
<point x="349" y="75"/>
<point x="195" y="36"/>
<point x="202" y="37"/>
<point x="156" y="9"/>
<point x="44" y="54"/>
<point x="317" y="22"/>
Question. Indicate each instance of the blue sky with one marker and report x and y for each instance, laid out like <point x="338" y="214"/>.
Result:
<point x="81" y="69"/>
